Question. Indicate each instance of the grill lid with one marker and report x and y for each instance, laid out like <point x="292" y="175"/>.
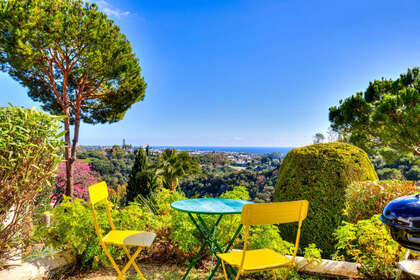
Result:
<point x="403" y="211"/>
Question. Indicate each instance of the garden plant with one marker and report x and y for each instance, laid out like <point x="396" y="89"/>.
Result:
<point x="321" y="173"/>
<point x="30" y="145"/>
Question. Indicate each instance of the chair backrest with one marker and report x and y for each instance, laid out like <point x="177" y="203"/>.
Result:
<point x="274" y="213"/>
<point x="97" y="193"/>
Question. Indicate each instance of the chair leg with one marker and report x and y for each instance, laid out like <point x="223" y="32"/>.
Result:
<point x="239" y="274"/>
<point x="224" y="270"/>
<point x="274" y="275"/>
<point x="131" y="260"/>
<point x="134" y="263"/>
<point x="287" y="272"/>
<point x="114" y="264"/>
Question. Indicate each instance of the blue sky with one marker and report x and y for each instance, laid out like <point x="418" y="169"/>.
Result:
<point x="249" y="73"/>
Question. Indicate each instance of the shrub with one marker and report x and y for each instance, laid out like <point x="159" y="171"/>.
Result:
<point x="312" y="254"/>
<point x="369" y="243"/>
<point x="29" y="152"/>
<point x="413" y="173"/>
<point x="365" y="199"/>
<point x="83" y="177"/>
<point x="390" y="174"/>
<point x="320" y="174"/>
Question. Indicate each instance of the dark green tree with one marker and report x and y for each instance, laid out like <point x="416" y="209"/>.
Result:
<point x="387" y="114"/>
<point x="71" y="58"/>
<point x="143" y="179"/>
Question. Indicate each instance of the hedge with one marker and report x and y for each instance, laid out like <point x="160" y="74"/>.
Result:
<point x="320" y="173"/>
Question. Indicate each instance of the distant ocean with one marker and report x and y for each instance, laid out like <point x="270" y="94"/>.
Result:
<point x="255" y="150"/>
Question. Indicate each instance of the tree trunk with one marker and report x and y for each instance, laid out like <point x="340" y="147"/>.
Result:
<point x="76" y="134"/>
<point x="67" y="155"/>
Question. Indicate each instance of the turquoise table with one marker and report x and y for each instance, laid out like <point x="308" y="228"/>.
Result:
<point x="210" y="206"/>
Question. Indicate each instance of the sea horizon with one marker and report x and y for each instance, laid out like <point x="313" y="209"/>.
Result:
<point x="234" y="149"/>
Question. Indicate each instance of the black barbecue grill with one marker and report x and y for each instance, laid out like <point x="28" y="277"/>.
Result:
<point x="402" y="215"/>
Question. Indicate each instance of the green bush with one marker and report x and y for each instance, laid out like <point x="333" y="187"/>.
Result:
<point x="365" y="199"/>
<point x="312" y="254"/>
<point x="390" y="174"/>
<point x="320" y="174"/>
<point x="369" y="243"/>
<point x="30" y="144"/>
<point x="413" y="173"/>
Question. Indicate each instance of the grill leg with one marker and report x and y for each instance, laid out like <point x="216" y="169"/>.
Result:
<point x="407" y="254"/>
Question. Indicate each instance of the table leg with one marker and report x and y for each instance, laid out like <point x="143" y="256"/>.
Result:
<point x="195" y="260"/>
<point x="225" y="251"/>
<point x="205" y="234"/>
<point x="211" y="242"/>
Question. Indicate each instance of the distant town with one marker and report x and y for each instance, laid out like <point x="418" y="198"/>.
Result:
<point x="237" y="160"/>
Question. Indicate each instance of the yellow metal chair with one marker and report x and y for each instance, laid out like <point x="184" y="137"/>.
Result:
<point x="248" y="261"/>
<point x="122" y="238"/>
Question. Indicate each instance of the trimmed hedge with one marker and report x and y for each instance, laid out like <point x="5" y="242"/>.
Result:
<point x="320" y="173"/>
<point x="365" y="199"/>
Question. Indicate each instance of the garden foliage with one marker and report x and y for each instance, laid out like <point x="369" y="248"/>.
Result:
<point x="30" y="144"/>
<point x="83" y="177"/>
<point x="72" y="229"/>
<point x="369" y="243"/>
<point x="320" y="173"/>
<point x="365" y="199"/>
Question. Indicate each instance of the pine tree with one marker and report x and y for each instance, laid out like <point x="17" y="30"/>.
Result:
<point x="72" y="59"/>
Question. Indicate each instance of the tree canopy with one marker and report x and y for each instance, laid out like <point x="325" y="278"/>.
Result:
<point x="387" y="114"/>
<point x="68" y="52"/>
<point x="71" y="58"/>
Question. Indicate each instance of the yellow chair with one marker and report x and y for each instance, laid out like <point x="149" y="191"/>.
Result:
<point x="123" y="238"/>
<point x="266" y="259"/>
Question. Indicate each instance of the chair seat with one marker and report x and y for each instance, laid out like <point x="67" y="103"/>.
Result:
<point x="256" y="259"/>
<point x="129" y="237"/>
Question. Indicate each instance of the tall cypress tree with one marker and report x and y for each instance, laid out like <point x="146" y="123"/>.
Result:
<point x="142" y="179"/>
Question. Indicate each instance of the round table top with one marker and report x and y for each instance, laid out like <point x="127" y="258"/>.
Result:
<point x="210" y="205"/>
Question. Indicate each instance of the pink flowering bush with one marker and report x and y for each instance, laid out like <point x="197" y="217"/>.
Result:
<point x="83" y="176"/>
